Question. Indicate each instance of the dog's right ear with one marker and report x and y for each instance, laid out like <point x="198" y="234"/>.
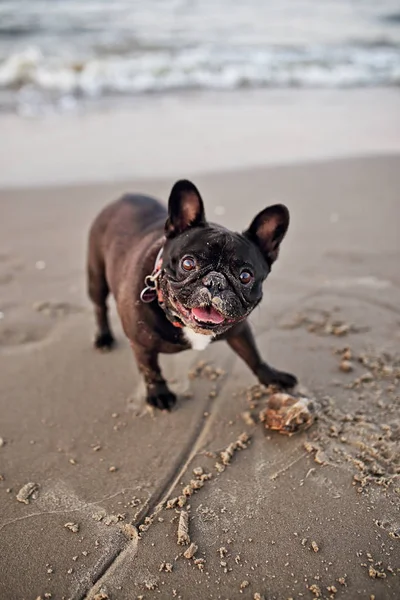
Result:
<point x="185" y="209"/>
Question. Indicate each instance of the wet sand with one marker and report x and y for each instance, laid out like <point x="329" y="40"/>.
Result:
<point x="312" y="515"/>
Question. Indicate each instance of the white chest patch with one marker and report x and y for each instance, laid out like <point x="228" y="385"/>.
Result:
<point x="198" y="341"/>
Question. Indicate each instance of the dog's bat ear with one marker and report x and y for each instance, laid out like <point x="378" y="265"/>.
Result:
<point x="185" y="209"/>
<point x="268" y="229"/>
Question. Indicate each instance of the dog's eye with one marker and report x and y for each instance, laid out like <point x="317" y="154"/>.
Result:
<point x="245" y="277"/>
<point x="188" y="263"/>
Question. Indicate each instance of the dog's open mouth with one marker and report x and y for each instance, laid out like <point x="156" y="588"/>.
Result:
<point x="207" y="316"/>
<point x="203" y="317"/>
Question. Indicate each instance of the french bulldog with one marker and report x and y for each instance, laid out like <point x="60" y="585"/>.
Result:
<point x="181" y="282"/>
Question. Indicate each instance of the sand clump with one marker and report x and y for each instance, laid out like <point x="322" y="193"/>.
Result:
<point x="106" y="519"/>
<point x="204" y="370"/>
<point x="346" y="366"/>
<point x="130" y="531"/>
<point x="315" y="590"/>
<point x="27" y="492"/>
<point x="102" y="594"/>
<point x="248" y="418"/>
<point x="188" y="490"/>
<point x="191" y="551"/>
<point x="321" y="323"/>
<point x="279" y="411"/>
<point x="183" y="528"/>
<point x="314" y="546"/>
<point x="226" y="455"/>
<point x="74" y="527"/>
<point x="288" y="414"/>
<point x="177" y="501"/>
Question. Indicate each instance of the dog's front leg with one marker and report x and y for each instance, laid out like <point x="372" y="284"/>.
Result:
<point x="158" y="394"/>
<point x="241" y="340"/>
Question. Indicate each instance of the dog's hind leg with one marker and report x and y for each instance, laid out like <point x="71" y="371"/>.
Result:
<point x="98" y="291"/>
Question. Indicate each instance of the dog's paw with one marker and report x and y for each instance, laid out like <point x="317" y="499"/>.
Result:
<point x="104" y="342"/>
<point x="161" y="398"/>
<point x="269" y="376"/>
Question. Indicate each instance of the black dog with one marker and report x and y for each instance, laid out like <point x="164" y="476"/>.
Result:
<point x="201" y="280"/>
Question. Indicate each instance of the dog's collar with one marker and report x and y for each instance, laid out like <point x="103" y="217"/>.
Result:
<point x="152" y="290"/>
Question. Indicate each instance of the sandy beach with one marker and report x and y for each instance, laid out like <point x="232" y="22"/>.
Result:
<point x="315" y="515"/>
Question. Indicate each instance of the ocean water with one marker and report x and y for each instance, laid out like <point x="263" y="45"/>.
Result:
<point x="58" y="54"/>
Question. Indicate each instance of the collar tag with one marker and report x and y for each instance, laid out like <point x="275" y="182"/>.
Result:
<point x="148" y="294"/>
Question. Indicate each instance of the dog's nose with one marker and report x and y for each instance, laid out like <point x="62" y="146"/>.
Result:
<point x="215" y="282"/>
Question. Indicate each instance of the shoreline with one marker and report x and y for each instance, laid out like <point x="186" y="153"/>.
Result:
<point x="188" y="135"/>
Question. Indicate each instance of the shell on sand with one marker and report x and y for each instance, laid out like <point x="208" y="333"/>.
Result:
<point x="288" y="414"/>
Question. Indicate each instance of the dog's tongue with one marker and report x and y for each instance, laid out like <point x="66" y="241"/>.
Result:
<point x="208" y="315"/>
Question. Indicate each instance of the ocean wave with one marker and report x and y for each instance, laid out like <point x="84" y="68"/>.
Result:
<point x="207" y="68"/>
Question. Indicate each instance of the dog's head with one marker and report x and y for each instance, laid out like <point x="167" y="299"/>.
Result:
<point x="212" y="277"/>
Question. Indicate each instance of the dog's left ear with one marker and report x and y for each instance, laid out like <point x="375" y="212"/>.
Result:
<point x="268" y="229"/>
<point x="185" y="208"/>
